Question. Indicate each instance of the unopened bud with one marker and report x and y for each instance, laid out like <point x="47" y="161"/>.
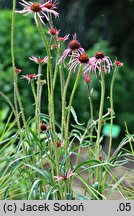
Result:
<point x="18" y="70"/>
<point x="43" y="127"/>
<point x="118" y="63"/>
<point x="86" y="78"/>
<point x="59" y="144"/>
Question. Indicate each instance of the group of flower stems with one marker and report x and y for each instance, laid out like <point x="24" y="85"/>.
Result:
<point x="52" y="75"/>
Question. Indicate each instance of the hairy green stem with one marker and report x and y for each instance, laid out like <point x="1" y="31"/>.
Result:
<point x="13" y="66"/>
<point x="100" y="114"/>
<point x="91" y="111"/>
<point x="69" y="110"/>
<point x="112" y="110"/>
<point x="98" y="170"/>
<point x="63" y="126"/>
<point x="16" y="90"/>
<point x="17" y="99"/>
<point x="57" y="65"/>
<point x="43" y="82"/>
<point x="36" y="105"/>
<point x="90" y="130"/>
<point x="51" y="100"/>
<point x="56" y="71"/>
<point x="38" y="99"/>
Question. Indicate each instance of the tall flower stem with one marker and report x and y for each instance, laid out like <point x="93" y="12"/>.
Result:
<point x="62" y="98"/>
<point x="112" y="110"/>
<point x="91" y="111"/>
<point x="13" y="66"/>
<point x="97" y="176"/>
<point x="68" y="118"/>
<point x="55" y="75"/>
<point x="90" y="130"/>
<point x="69" y="110"/>
<point x="100" y="114"/>
<point x="63" y="126"/>
<point x="50" y="20"/>
<point x="51" y="100"/>
<point x="48" y="87"/>
<point x="38" y="99"/>
<point x="43" y="82"/>
<point x="16" y="107"/>
<point x="36" y="105"/>
<point x="17" y="99"/>
<point x="111" y="121"/>
<point x="56" y="70"/>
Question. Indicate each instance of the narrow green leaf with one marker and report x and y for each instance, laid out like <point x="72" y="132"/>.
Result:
<point x="33" y="187"/>
<point x="51" y="191"/>
<point x="43" y="173"/>
<point x="75" y="116"/>
<point x="86" y="163"/>
<point x="92" y="190"/>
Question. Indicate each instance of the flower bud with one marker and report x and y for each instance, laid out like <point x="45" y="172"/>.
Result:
<point x="53" y="31"/>
<point x="86" y="78"/>
<point x="118" y="63"/>
<point x="54" y="46"/>
<point x="59" y="144"/>
<point x="18" y="70"/>
<point x="43" y="127"/>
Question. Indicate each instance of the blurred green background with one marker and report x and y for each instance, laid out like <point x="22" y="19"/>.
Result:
<point x="100" y="25"/>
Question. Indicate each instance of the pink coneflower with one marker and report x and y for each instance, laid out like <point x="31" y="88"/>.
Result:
<point x="18" y="70"/>
<point x="101" y="63"/>
<point x="53" y="31"/>
<point x="50" y="5"/>
<point x="80" y="59"/>
<point x="30" y="77"/>
<point x="74" y="47"/>
<point x="66" y="176"/>
<point x="118" y="63"/>
<point x="38" y="9"/>
<point x="39" y="60"/>
<point x="62" y="39"/>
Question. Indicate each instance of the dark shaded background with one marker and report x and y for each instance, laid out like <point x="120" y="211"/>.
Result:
<point x="93" y="19"/>
<point x="96" y="22"/>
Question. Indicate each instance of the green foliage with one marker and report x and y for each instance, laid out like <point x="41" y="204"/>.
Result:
<point x="3" y="116"/>
<point x="27" y="43"/>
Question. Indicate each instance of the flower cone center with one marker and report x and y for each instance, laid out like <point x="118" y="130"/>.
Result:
<point x="83" y="58"/>
<point x="31" y="76"/>
<point x="74" y="44"/>
<point x="99" y="55"/>
<point x="36" y="7"/>
<point x="49" y="5"/>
